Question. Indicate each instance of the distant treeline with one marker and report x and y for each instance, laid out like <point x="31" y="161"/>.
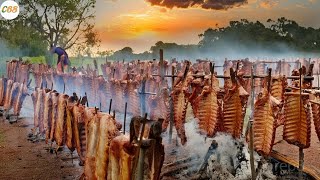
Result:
<point x="239" y="38"/>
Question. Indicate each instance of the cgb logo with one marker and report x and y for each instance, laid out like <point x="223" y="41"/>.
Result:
<point x="9" y="10"/>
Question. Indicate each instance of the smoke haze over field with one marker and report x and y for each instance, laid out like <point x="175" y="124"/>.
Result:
<point x="226" y="49"/>
<point x="6" y="51"/>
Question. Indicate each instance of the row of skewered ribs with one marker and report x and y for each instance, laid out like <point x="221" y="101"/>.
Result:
<point x="216" y="109"/>
<point x="95" y="135"/>
<point x="12" y="95"/>
<point x="18" y="71"/>
<point x="204" y="93"/>
<point x="101" y="90"/>
<point x="273" y="107"/>
<point x="279" y="105"/>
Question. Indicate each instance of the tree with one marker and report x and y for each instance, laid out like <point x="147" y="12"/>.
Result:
<point x="125" y="53"/>
<point x="126" y="50"/>
<point x="62" y="22"/>
<point x="105" y="53"/>
<point x="21" y="39"/>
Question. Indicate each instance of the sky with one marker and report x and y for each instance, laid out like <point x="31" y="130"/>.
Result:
<point x="141" y="23"/>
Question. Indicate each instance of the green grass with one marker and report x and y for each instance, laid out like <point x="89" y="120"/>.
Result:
<point x="36" y="60"/>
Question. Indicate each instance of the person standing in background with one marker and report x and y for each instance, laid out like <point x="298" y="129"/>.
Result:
<point x="63" y="62"/>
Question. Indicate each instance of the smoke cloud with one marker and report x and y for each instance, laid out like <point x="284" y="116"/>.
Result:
<point x="205" y="4"/>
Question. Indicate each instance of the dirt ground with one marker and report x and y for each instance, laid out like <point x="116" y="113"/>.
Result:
<point x="23" y="159"/>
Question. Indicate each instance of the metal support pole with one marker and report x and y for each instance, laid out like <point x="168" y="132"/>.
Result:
<point x="125" y="117"/>
<point x="110" y="106"/>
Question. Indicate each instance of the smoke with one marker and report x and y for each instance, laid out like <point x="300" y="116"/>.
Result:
<point x="7" y="51"/>
<point x="205" y="4"/>
<point x="233" y="50"/>
<point x="197" y="144"/>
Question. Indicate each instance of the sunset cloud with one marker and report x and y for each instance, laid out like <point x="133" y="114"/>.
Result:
<point x="267" y="4"/>
<point x="141" y="23"/>
<point x="205" y="4"/>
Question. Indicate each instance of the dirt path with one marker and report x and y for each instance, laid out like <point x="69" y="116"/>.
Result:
<point x="22" y="159"/>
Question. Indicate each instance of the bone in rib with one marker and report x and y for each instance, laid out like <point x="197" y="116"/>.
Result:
<point x="297" y="124"/>
<point x="234" y="108"/>
<point x="180" y="103"/>
<point x="264" y="123"/>
<point x="207" y="103"/>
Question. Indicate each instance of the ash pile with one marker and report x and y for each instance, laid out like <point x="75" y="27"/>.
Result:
<point x="226" y="158"/>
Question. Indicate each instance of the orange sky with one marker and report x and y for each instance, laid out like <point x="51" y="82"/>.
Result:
<point x="138" y="24"/>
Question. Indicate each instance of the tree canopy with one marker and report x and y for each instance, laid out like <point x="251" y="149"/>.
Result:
<point x="65" y="23"/>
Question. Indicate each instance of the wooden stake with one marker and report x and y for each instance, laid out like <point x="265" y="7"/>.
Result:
<point x="41" y="86"/>
<point x="253" y="171"/>
<point x="143" y="127"/>
<point x="171" y="106"/>
<point x="237" y="68"/>
<point x="280" y="66"/>
<point x="125" y="117"/>
<point x="212" y="71"/>
<point x="301" y="155"/>
<point x="161" y="68"/>
<point x="64" y="88"/>
<point x="29" y="83"/>
<point x="95" y="64"/>
<point x="87" y="99"/>
<point x="269" y="79"/>
<point x="318" y="77"/>
<point x="301" y="162"/>
<point x="110" y="106"/>
<point x="114" y="114"/>
<point x="143" y="96"/>
<point x="144" y="120"/>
